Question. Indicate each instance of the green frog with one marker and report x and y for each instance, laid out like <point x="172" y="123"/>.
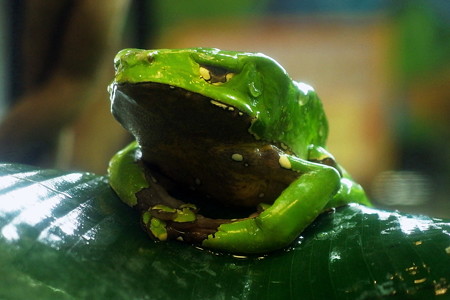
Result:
<point x="226" y="129"/>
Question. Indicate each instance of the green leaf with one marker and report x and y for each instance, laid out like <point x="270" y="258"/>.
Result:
<point x="67" y="236"/>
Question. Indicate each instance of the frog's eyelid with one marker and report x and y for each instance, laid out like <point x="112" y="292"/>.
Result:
<point x="204" y="73"/>
<point x="215" y="70"/>
<point x="215" y="75"/>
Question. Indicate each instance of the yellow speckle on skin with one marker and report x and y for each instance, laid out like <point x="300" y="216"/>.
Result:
<point x="447" y="250"/>
<point x="440" y="291"/>
<point x="219" y="104"/>
<point x="229" y="76"/>
<point x="421" y="280"/>
<point x="240" y="256"/>
<point x="237" y="157"/>
<point x="284" y="162"/>
<point x="204" y="73"/>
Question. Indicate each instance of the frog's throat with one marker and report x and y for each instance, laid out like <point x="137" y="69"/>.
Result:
<point x="139" y="94"/>
<point x="201" y="145"/>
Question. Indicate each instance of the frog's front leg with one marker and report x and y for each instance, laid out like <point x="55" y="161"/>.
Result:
<point x="277" y="226"/>
<point x="349" y="191"/>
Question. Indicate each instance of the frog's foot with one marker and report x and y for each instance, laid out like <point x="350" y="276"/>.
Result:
<point x="183" y="223"/>
<point x="165" y="217"/>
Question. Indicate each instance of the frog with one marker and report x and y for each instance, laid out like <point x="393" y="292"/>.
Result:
<point x="224" y="129"/>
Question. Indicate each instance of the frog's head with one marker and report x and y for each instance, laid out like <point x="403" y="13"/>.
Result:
<point x="282" y="110"/>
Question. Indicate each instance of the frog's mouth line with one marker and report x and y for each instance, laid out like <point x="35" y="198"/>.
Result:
<point x="194" y="147"/>
<point x="171" y="108"/>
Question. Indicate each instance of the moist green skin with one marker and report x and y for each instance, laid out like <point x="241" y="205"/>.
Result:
<point x="283" y="116"/>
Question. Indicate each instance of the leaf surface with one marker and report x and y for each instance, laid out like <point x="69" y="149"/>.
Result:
<point x="67" y="236"/>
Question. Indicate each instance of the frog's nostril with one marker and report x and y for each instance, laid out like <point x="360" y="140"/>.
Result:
<point x="142" y="56"/>
<point x="150" y="57"/>
<point x="117" y="64"/>
<point x="121" y="62"/>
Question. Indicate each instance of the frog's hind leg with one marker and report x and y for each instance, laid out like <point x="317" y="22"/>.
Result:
<point x="277" y="226"/>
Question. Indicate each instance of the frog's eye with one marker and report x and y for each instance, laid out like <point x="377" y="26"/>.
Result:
<point x="215" y="75"/>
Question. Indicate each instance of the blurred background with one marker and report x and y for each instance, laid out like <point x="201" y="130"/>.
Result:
<point x="381" y="68"/>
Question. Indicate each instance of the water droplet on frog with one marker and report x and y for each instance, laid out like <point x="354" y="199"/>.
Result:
<point x="254" y="90"/>
<point x="302" y="99"/>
